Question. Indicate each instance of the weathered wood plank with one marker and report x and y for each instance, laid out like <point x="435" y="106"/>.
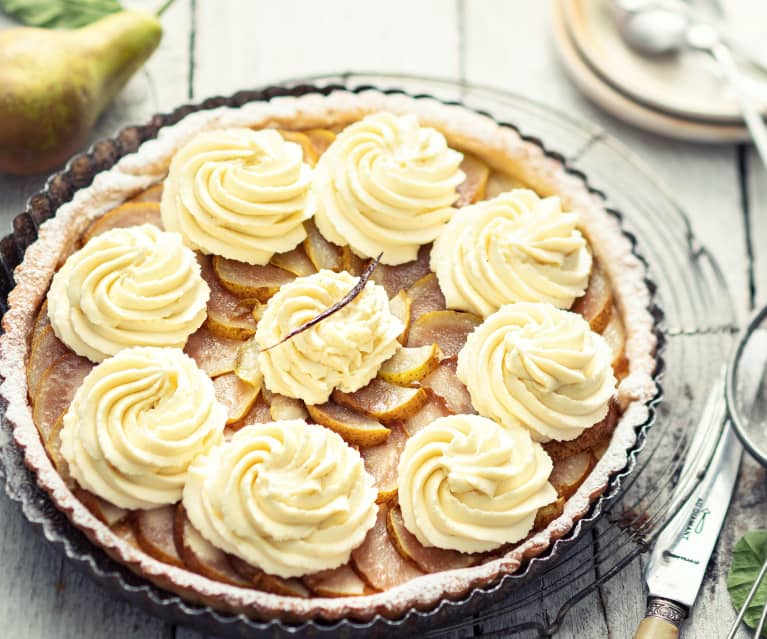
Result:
<point x="283" y="40"/>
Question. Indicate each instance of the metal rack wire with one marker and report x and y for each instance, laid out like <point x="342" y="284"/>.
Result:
<point x="698" y="330"/>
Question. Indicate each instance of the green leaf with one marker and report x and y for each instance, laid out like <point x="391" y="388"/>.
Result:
<point x="748" y="555"/>
<point x="59" y="14"/>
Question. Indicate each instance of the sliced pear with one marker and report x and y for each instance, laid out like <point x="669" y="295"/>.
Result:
<point x="310" y="153"/>
<point x="449" y="329"/>
<point x="128" y="214"/>
<point x="615" y="336"/>
<point x="472" y="188"/>
<point x="377" y="560"/>
<point x="600" y="449"/>
<point x="55" y="390"/>
<point x="124" y="530"/>
<point x="382" y="400"/>
<point x="397" y="278"/>
<point x="434" y="408"/>
<point x="427" y="559"/>
<point x="42" y="321"/>
<point x="548" y="513"/>
<point x="199" y="555"/>
<point x="323" y="254"/>
<point x="104" y="510"/>
<point x="247" y="280"/>
<point x="227" y="315"/>
<point x="400" y="306"/>
<point x="588" y="439"/>
<point x="154" y="533"/>
<point x="282" y="407"/>
<point x="236" y="395"/>
<point x="152" y="194"/>
<point x="444" y="383"/>
<point x="247" y="571"/>
<point x="354" y="263"/>
<point x="595" y="305"/>
<point x="382" y="462"/>
<point x="569" y="473"/>
<point x="295" y="261"/>
<point x="259" y="413"/>
<point x="214" y="354"/>
<point x="338" y="582"/>
<point x="285" y="587"/>
<point x="53" y="448"/>
<point x="353" y="425"/>
<point x="246" y="365"/>
<point x="410" y="365"/>
<point x="321" y="139"/>
<point x="46" y="348"/>
<point x="498" y="183"/>
<point x="427" y="297"/>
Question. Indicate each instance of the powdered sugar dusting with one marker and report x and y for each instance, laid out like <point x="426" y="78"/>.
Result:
<point x="504" y="150"/>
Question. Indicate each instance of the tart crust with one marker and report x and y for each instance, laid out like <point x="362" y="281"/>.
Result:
<point x="504" y="150"/>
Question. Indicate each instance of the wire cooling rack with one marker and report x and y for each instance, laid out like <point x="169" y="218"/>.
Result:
<point x="698" y="328"/>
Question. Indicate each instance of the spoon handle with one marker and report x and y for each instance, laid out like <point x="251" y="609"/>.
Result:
<point x="751" y="114"/>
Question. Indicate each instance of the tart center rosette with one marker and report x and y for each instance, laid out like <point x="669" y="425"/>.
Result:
<point x="386" y="184"/>
<point x="136" y="424"/>
<point x="467" y="484"/>
<point x="134" y="286"/>
<point x="239" y="193"/>
<point x="516" y="247"/>
<point x="540" y="366"/>
<point x="288" y="497"/>
<point x="344" y="350"/>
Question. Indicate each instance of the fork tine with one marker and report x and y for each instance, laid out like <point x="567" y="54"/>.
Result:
<point x="749" y="598"/>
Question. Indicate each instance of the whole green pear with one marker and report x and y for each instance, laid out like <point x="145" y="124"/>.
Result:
<point x="55" y="84"/>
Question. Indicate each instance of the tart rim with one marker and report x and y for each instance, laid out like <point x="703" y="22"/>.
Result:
<point x="498" y="144"/>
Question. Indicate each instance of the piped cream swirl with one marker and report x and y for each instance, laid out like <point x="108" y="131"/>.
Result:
<point x="288" y="497"/>
<point x="516" y="247"/>
<point x="135" y="286"/>
<point x="467" y="484"/>
<point x="386" y="184"/>
<point x="239" y="193"/>
<point x="540" y="366"/>
<point x="344" y="350"/>
<point x="136" y="424"/>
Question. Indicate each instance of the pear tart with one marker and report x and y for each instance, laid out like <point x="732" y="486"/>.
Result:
<point x="419" y="390"/>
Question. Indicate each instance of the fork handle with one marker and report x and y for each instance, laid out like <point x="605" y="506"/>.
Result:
<point x="662" y="620"/>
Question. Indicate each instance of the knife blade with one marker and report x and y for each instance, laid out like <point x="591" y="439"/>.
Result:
<point x="677" y="564"/>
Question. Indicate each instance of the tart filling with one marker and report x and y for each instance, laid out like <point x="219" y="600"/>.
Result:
<point x="516" y="247"/>
<point x="134" y="286"/>
<point x="288" y="497"/>
<point x="386" y="184"/>
<point x="407" y="394"/>
<point x="343" y="351"/>
<point x="539" y="366"/>
<point x="468" y="484"/>
<point x="136" y="424"/>
<point x="239" y="193"/>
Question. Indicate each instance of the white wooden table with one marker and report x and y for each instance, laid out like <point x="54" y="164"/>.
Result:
<point x="216" y="47"/>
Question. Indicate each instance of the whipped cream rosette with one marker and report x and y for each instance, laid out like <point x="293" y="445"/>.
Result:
<point x="468" y="484"/>
<point x="136" y="424"/>
<point x="540" y="366"/>
<point x="344" y="350"/>
<point x="136" y="286"/>
<point x="239" y="193"/>
<point x="386" y="184"/>
<point x="516" y="247"/>
<point x="288" y="497"/>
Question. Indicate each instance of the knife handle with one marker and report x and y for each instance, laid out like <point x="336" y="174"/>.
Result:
<point x="662" y="620"/>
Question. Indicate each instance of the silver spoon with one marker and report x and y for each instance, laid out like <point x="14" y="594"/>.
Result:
<point x="654" y="29"/>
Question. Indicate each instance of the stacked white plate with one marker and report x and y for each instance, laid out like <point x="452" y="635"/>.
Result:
<point x="680" y="95"/>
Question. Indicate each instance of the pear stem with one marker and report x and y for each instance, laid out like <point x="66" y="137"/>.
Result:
<point x="165" y="6"/>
